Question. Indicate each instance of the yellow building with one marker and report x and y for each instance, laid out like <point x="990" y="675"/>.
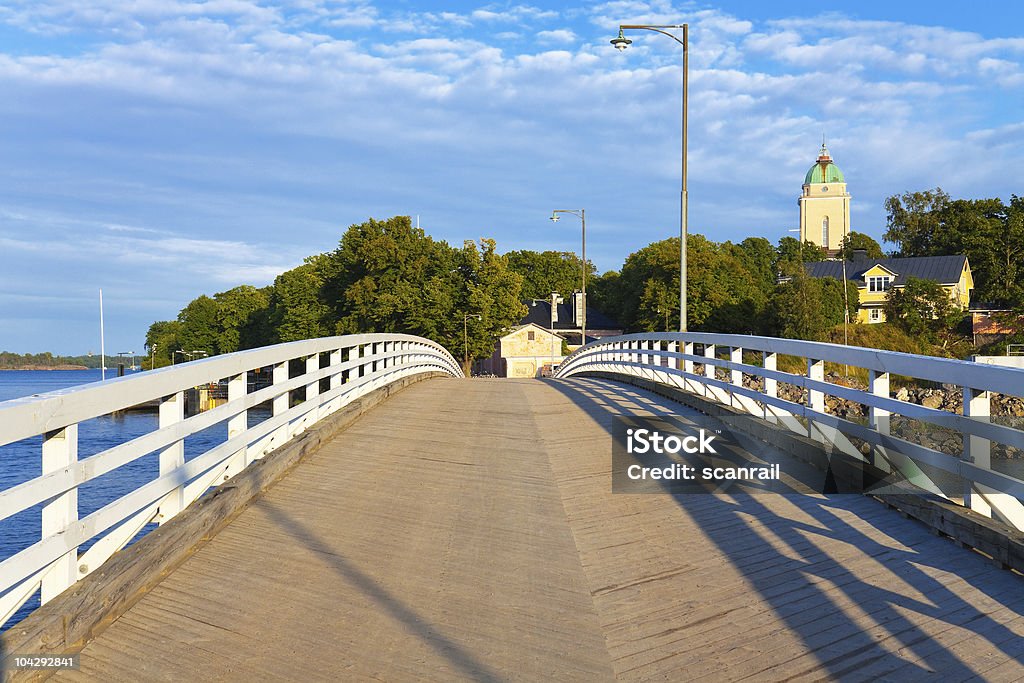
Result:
<point x="824" y="204"/>
<point x="876" y="277"/>
<point x="533" y="348"/>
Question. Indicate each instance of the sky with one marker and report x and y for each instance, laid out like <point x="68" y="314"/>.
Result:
<point x="162" y="149"/>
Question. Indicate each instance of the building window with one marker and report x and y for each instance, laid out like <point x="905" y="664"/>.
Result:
<point x="531" y="336"/>
<point x="824" y="232"/>
<point x="879" y="283"/>
<point x="875" y="315"/>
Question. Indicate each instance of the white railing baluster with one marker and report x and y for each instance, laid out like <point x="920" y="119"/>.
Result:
<point x="51" y="564"/>
<point x="171" y="412"/>
<point x="878" y="418"/>
<point x="736" y="376"/>
<point x="977" y="450"/>
<point x="60" y="451"/>
<point x="237" y="389"/>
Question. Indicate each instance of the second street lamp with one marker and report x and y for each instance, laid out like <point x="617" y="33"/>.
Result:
<point x="582" y="215"/>
<point x="621" y="43"/>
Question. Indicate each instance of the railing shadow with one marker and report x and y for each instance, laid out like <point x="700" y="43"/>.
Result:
<point x="414" y="622"/>
<point x="843" y="642"/>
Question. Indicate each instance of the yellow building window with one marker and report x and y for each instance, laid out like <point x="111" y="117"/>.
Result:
<point x="879" y="283"/>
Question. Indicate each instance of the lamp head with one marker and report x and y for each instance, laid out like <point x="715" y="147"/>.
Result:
<point x="555" y="217"/>
<point x="622" y="42"/>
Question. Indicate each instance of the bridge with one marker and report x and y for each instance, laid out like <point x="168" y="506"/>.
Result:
<point x="386" y="518"/>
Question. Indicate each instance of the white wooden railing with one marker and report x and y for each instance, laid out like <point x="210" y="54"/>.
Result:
<point x="350" y="367"/>
<point x="669" y="358"/>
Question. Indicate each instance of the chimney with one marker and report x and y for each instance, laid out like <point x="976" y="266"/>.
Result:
<point x="555" y="300"/>
<point x="860" y="255"/>
<point x="577" y="307"/>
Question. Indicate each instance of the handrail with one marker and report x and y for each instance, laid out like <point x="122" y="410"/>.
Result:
<point x="669" y="358"/>
<point x="355" y="365"/>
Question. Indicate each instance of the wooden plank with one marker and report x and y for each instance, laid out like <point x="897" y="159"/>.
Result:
<point x="480" y="540"/>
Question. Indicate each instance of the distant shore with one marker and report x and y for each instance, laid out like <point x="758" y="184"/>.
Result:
<point x="43" y="367"/>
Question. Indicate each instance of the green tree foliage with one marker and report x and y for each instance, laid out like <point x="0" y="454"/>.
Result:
<point x="387" y="276"/>
<point x="16" y="361"/>
<point x="492" y="291"/>
<point x="237" y="317"/>
<point x="797" y="309"/>
<point x="297" y="309"/>
<point x="604" y="293"/>
<point x="161" y="342"/>
<point x="199" y="328"/>
<point x="808" y="308"/>
<point x="790" y="254"/>
<point x="375" y="276"/>
<point x="548" y="271"/>
<point x="858" y="241"/>
<point x="989" y="232"/>
<point x="922" y="307"/>
<point x="912" y="221"/>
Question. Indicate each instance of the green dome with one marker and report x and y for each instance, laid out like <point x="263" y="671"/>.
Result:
<point x="824" y="171"/>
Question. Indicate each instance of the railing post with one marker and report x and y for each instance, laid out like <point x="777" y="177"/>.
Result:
<point x="977" y="450"/>
<point x="172" y="411"/>
<point x="735" y="376"/>
<point x="279" y="405"/>
<point x="60" y="451"/>
<point x="312" y="368"/>
<point x="815" y="397"/>
<point x="878" y="418"/>
<point x="770" y="361"/>
<point x="709" y="369"/>
<point x="335" y="360"/>
<point x="237" y="388"/>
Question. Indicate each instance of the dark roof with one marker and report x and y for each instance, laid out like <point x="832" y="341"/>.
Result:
<point x="539" y="314"/>
<point x="942" y="269"/>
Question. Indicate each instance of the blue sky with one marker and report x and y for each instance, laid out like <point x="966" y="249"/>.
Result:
<point x="161" y="149"/>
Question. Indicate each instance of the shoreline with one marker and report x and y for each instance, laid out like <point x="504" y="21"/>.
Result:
<point x="45" y="367"/>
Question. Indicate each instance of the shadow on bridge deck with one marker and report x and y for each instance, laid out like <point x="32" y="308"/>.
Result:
<point x="467" y="530"/>
<point x="819" y="586"/>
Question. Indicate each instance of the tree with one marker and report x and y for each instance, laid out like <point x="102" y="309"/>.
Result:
<point x="548" y="271"/>
<point x="797" y="309"/>
<point x="374" y="280"/>
<point x="790" y="255"/>
<point x="921" y="307"/>
<point x="858" y="241"/>
<point x="492" y="291"/>
<point x="162" y="341"/>
<point x="199" y="328"/>
<point x="913" y="219"/>
<point x="296" y="308"/>
<point x="237" y="310"/>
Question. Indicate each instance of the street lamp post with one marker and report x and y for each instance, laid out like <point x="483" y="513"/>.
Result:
<point x="465" y="338"/>
<point x="621" y="43"/>
<point x="582" y="214"/>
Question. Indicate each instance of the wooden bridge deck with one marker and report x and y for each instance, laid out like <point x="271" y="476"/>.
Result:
<point x="466" y="530"/>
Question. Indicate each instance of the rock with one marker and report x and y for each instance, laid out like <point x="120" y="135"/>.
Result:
<point x="902" y="394"/>
<point x="933" y="400"/>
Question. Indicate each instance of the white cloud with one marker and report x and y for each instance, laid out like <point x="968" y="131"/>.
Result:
<point x="221" y="142"/>
<point x="557" y="36"/>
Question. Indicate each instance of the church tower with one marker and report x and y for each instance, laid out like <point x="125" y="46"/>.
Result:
<point x="824" y="205"/>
